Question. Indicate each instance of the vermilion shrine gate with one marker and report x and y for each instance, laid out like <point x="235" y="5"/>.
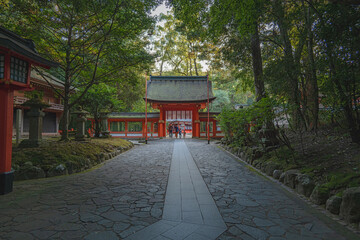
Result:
<point x="178" y="99"/>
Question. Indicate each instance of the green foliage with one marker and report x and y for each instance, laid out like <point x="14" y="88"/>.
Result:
<point x="222" y="100"/>
<point x="100" y="98"/>
<point x="93" y="41"/>
<point x="34" y="94"/>
<point x="237" y="85"/>
<point x="323" y="189"/>
<point x="284" y="157"/>
<point x="242" y="127"/>
<point x="179" y="48"/>
<point x="342" y="180"/>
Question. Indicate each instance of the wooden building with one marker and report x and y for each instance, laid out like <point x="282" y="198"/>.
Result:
<point x="53" y="113"/>
<point x="178" y="100"/>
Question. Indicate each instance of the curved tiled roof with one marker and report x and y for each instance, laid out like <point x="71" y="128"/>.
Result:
<point x="178" y="89"/>
<point x="23" y="46"/>
<point x="37" y="78"/>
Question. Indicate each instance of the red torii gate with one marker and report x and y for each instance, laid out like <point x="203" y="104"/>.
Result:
<point x="17" y="55"/>
<point x="179" y="93"/>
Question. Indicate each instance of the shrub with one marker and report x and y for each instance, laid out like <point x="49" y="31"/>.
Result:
<point x="253" y="126"/>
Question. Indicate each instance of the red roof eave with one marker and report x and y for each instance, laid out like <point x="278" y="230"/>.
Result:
<point x="182" y="101"/>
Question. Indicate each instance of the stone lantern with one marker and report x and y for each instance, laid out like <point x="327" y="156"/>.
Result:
<point x="80" y="124"/>
<point x="36" y="116"/>
<point x="17" y="55"/>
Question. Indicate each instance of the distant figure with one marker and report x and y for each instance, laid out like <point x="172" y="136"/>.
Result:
<point x="176" y="131"/>
<point x="170" y="130"/>
<point x="179" y="132"/>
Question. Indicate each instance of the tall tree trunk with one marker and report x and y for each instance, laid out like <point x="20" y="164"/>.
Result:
<point x="196" y="70"/>
<point x="269" y="133"/>
<point x="161" y="67"/>
<point x="65" y="117"/>
<point x="66" y="113"/>
<point x="313" y="90"/>
<point x="290" y="66"/>
<point x="346" y="102"/>
<point x="257" y="65"/>
<point x="97" y="120"/>
<point x="65" y="121"/>
<point x="187" y="67"/>
<point x="190" y="65"/>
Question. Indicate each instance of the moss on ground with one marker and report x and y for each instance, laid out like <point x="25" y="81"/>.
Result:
<point x="331" y="162"/>
<point x="334" y="181"/>
<point x="74" y="154"/>
<point x="283" y="157"/>
<point x="338" y="181"/>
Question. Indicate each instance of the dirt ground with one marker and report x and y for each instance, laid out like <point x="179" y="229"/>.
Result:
<point x="328" y="155"/>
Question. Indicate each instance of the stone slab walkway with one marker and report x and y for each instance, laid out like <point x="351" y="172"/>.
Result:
<point x="114" y="201"/>
<point x="167" y="189"/>
<point x="190" y="211"/>
<point x="256" y="208"/>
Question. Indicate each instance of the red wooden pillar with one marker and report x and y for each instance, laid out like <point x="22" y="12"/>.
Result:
<point x="161" y="123"/>
<point x="144" y="130"/>
<point x="196" y="120"/>
<point x="164" y="125"/>
<point x="126" y="127"/>
<point x="15" y="54"/>
<point x="6" y="128"/>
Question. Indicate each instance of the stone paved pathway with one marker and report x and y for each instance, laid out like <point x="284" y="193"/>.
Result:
<point x="126" y="197"/>
<point x="116" y="200"/>
<point x="255" y="208"/>
<point x="190" y="211"/>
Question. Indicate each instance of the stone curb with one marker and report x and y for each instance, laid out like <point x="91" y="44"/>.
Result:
<point x="304" y="199"/>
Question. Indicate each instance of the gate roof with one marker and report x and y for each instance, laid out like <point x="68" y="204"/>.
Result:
<point x="25" y="47"/>
<point x="178" y="89"/>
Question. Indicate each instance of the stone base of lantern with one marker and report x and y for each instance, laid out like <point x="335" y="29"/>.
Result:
<point x="6" y="182"/>
<point x="80" y="138"/>
<point x="105" y="134"/>
<point x="28" y="143"/>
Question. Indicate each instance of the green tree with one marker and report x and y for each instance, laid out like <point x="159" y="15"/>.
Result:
<point x="90" y="40"/>
<point x="100" y="98"/>
<point x="237" y="84"/>
<point x="337" y="32"/>
<point x="222" y="100"/>
<point x="179" y="48"/>
<point x="228" y="22"/>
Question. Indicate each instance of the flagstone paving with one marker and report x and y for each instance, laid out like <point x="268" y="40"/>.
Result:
<point x="189" y="211"/>
<point x="130" y="197"/>
<point x="255" y="208"/>
<point x="114" y="201"/>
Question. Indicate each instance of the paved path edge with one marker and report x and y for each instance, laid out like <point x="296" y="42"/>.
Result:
<point x="329" y="219"/>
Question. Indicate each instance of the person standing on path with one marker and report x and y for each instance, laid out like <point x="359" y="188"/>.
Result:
<point x="179" y="132"/>
<point x="176" y="131"/>
<point x="170" y="130"/>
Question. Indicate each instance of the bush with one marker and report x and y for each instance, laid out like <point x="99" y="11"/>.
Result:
<point x="252" y="126"/>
